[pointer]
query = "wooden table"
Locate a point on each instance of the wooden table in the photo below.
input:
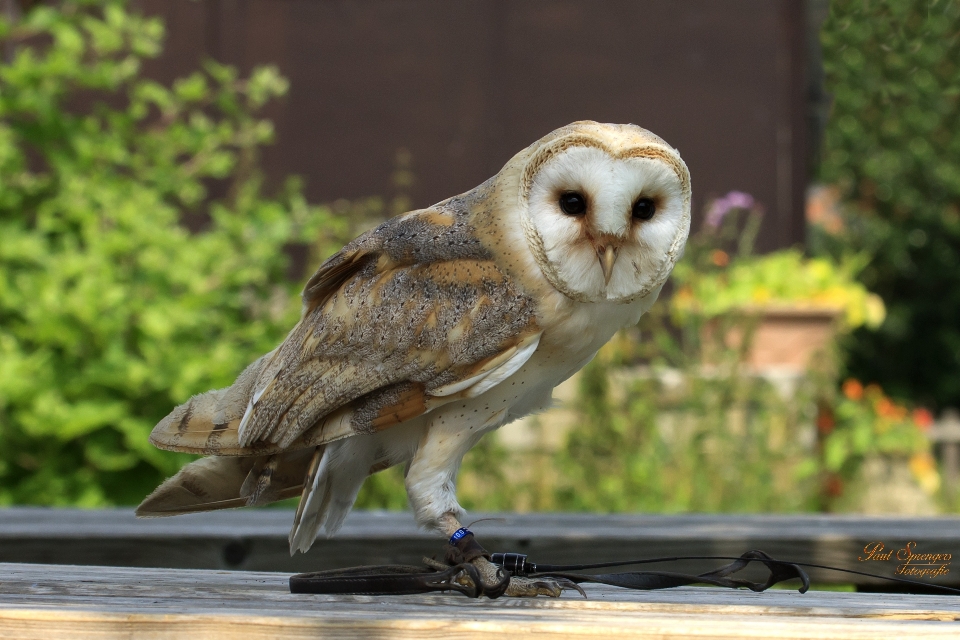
(256, 539)
(56, 601)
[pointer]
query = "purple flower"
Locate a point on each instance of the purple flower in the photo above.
(720, 207)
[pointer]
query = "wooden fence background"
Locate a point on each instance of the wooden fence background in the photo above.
(461, 86)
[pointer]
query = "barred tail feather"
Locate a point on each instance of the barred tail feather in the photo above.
(227, 482)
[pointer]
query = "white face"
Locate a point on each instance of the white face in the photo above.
(611, 227)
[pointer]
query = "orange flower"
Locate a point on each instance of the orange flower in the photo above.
(886, 408)
(923, 419)
(719, 258)
(853, 389)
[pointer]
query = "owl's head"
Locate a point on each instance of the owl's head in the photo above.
(605, 209)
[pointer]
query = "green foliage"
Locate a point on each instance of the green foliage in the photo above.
(704, 439)
(682, 441)
(660, 440)
(893, 146)
(111, 311)
(383, 490)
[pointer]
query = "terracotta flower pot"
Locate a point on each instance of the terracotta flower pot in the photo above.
(780, 337)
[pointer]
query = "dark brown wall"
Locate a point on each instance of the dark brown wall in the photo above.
(464, 85)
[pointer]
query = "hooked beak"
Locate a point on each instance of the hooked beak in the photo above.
(608, 256)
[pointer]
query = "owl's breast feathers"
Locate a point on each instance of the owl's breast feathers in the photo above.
(407, 317)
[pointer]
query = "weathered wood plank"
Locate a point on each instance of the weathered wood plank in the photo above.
(256, 540)
(50, 601)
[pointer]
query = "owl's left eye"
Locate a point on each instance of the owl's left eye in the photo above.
(573, 203)
(644, 208)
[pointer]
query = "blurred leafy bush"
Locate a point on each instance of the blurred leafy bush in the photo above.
(111, 311)
(862, 422)
(676, 436)
(893, 147)
(679, 440)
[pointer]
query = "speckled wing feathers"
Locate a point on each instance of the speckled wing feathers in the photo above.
(391, 324)
(431, 324)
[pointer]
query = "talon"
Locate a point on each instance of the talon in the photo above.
(533, 587)
(570, 585)
(495, 582)
(548, 588)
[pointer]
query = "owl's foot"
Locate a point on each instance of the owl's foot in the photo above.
(493, 578)
(496, 581)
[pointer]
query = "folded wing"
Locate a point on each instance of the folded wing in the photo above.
(390, 330)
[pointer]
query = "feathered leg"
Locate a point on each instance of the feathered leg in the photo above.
(431, 488)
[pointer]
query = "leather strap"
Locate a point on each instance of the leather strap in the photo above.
(648, 580)
(464, 578)
(389, 579)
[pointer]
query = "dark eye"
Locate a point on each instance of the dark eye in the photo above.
(644, 208)
(573, 203)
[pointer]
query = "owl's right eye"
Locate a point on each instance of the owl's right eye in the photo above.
(573, 203)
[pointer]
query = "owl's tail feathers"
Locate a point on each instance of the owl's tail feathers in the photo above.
(312, 509)
(209, 423)
(334, 477)
(227, 482)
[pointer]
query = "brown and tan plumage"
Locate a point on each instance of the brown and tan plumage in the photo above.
(436, 327)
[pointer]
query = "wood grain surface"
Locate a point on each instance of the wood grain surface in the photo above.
(57, 601)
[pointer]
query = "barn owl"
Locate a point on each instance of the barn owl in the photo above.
(435, 328)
